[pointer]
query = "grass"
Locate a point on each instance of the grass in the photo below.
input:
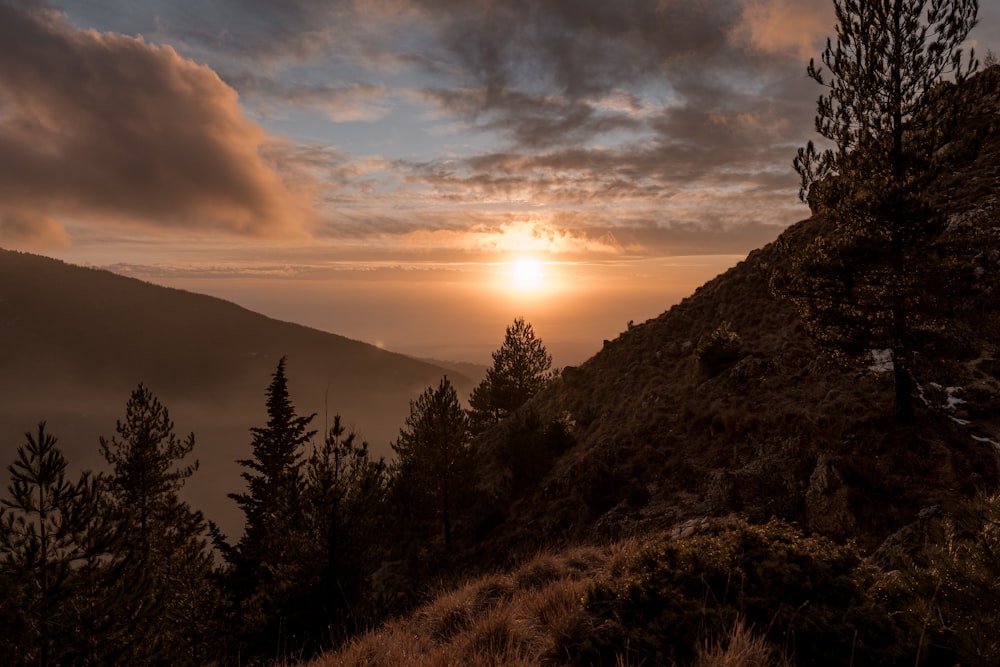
(531, 617)
(741, 648)
(525, 618)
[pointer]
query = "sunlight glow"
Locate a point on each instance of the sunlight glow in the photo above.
(527, 274)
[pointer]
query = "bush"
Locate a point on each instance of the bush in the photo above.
(719, 350)
(949, 589)
(808, 596)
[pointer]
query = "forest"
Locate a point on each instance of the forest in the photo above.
(114, 568)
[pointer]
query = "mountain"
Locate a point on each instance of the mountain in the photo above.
(714, 466)
(659, 437)
(74, 342)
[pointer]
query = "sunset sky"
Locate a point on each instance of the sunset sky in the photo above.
(412, 173)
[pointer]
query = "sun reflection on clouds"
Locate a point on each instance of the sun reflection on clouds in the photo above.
(536, 237)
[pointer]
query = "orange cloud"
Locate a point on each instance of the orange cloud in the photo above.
(102, 127)
(531, 233)
(25, 230)
(798, 27)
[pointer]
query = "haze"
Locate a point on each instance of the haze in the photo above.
(410, 173)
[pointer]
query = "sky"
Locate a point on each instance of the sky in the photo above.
(412, 173)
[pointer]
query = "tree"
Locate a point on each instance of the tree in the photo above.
(273, 475)
(344, 495)
(265, 560)
(164, 551)
(51, 533)
(868, 285)
(520, 370)
(433, 454)
(142, 456)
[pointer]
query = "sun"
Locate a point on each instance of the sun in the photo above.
(527, 274)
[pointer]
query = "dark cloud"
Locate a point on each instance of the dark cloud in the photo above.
(108, 127)
(580, 48)
(259, 29)
(531, 121)
(535, 69)
(688, 149)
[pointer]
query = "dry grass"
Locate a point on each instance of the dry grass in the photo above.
(526, 618)
(528, 629)
(742, 648)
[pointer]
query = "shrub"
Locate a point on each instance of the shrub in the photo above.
(949, 589)
(808, 596)
(719, 350)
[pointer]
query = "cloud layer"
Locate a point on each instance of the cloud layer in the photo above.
(105, 127)
(402, 127)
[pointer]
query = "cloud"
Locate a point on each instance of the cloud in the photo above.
(28, 230)
(684, 149)
(799, 27)
(578, 48)
(347, 103)
(610, 115)
(107, 128)
(533, 121)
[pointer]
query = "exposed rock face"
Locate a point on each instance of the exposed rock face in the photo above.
(777, 429)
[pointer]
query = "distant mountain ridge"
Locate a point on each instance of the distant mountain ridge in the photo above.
(75, 341)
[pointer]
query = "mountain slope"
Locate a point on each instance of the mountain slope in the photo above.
(779, 430)
(75, 341)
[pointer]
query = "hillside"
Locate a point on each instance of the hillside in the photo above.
(75, 341)
(780, 430)
(762, 494)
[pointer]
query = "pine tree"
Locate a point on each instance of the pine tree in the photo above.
(344, 497)
(274, 472)
(520, 370)
(50, 532)
(164, 552)
(868, 285)
(434, 456)
(266, 561)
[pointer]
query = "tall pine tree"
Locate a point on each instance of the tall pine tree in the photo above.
(266, 562)
(164, 551)
(869, 285)
(344, 508)
(433, 466)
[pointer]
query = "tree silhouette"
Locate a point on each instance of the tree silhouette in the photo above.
(143, 454)
(51, 533)
(344, 496)
(868, 285)
(433, 454)
(164, 550)
(520, 370)
(265, 561)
